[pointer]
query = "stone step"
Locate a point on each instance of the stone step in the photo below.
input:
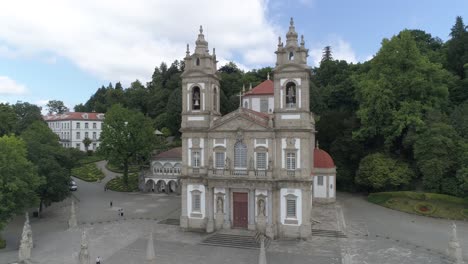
(328, 233)
(170, 221)
(233, 241)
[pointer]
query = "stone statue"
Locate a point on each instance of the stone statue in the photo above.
(219, 205)
(26, 244)
(196, 98)
(83, 256)
(261, 207)
(270, 164)
(454, 250)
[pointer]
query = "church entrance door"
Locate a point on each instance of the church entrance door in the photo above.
(240, 208)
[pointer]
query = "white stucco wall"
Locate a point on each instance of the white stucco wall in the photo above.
(320, 191)
(298, 193)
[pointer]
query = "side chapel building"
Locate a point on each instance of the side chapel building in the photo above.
(256, 168)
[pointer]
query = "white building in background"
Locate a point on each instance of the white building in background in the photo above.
(73, 127)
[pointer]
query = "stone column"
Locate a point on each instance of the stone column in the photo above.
(227, 209)
(305, 228)
(209, 209)
(251, 210)
(183, 214)
(269, 227)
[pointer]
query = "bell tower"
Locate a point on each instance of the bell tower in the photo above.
(291, 82)
(200, 87)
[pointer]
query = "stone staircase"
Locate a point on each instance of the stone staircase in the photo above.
(328, 233)
(246, 241)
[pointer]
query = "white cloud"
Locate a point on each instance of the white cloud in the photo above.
(9, 87)
(341, 50)
(124, 40)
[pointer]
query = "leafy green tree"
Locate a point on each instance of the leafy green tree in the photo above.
(18, 179)
(56, 107)
(457, 49)
(87, 141)
(80, 108)
(379, 172)
(127, 136)
(8, 119)
(436, 152)
(45, 152)
(400, 87)
(27, 114)
(459, 119)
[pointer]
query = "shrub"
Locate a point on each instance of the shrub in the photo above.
(88, 172)
(464, 212)
(379, 198)
(118, 185)
(424, 208)
(2, 243)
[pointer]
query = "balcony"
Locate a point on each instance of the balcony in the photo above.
(218, 172)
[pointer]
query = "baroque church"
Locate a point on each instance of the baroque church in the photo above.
(256, 168)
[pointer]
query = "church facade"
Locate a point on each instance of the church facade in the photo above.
(255, 168)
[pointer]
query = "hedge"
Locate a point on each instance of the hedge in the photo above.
(88, 172)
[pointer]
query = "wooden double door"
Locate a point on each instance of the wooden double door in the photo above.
(240, 209)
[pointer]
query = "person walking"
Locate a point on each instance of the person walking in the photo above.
(98, 260)
(110, 203)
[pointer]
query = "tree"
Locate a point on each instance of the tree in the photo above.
(436, 152)
(459, 119)
(127, 136)
(9, 120)
(400, 87)
(327, 54)
(80, 108)
(457, 49)
(27, 114)
(379, 172)
(87, 142)
(56, 107)
(46, 153)
(18, 179)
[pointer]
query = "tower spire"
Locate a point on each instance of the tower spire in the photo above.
(201, 46)
(291, 36)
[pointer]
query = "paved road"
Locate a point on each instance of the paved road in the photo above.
(390, 225)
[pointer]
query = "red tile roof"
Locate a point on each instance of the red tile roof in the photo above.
(175, 153)
(265, 88)
(322, 159)
(74, 116)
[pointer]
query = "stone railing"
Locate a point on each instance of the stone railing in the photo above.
(239, 173)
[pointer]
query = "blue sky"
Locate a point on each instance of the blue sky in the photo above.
(65, 50)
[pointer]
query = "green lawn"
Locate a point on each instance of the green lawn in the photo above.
(91, 159)
(119, 169)
(88, 172)
(118, 185)
(429, 204)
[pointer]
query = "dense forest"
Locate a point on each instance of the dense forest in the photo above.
(398, 121)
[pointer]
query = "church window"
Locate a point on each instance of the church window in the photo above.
(261, 160)
(196, 159)
(196, 98)
(219, 160)
(78, 136)
(264, 105)
(246, 104)
(320, 180)
(290, 95)
(215, 99)
(240, 155)
(196, 201)
(291, 207)
(291, 161)
(291, 55)
(197, 62)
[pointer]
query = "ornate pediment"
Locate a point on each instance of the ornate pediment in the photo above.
(240, 122)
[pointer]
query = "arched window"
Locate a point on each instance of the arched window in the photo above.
(246, 104)
(157, 168)
(291, 55)
(196, 102)
(290, 95)
(215, 99)
(197, 62)
(240, 155)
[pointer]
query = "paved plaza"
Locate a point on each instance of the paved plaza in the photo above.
(374, 234)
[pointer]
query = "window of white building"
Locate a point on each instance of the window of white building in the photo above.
(196, 159)
(78, 136)
(291, 161)
(320, 180)
(264, 105)
(78, 125)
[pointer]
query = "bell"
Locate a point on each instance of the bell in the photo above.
(197, 103)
